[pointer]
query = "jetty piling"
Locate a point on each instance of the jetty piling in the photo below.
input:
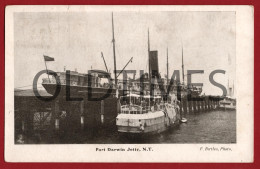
(80, 115)
(102, 111)
(56, 113)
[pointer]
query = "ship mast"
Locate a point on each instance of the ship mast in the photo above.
(114, 50)
(182, 65)
(167, 68)
(149, 59)
(149, 69)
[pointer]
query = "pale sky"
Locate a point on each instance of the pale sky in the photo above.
(76, 40)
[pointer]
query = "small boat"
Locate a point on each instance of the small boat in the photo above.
(228, 103)
(139, 114)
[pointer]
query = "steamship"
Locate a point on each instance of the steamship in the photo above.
(229, 101)
(142, 112)
(96, 84)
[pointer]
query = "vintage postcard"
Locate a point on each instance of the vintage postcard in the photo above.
(129, 83)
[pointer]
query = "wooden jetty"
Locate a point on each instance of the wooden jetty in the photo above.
(33, 115)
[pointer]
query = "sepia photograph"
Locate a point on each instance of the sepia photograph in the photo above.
(112, 76)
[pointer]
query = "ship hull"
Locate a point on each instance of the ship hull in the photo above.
(93, 107)
(228, 104)
(149, 123)
(83, 91)
(151, 130)
(227, 107)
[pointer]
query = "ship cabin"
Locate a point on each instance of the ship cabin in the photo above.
(138, 85)
(228, 102)
(137, 104)
(94, 78)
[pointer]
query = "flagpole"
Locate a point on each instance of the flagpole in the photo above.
(182, 65)
(114, 50)
(46, 69)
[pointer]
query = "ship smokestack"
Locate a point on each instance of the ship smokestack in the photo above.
(154, 61)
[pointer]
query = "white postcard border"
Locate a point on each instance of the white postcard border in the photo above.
(242, 151)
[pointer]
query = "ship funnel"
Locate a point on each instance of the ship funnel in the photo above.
(154, 61)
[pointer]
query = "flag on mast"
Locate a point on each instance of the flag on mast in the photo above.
(48, 58)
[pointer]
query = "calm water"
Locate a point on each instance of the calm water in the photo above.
(207, 127)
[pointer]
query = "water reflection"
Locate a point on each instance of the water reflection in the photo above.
(206, 127)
